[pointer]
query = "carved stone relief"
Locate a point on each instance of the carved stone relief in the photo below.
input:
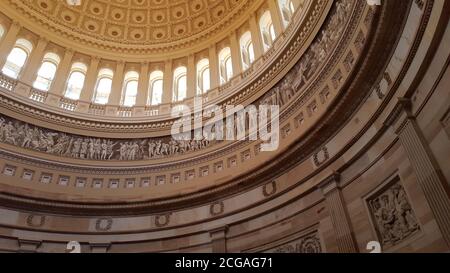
(57, 143)
(36, 220)
(162, 220)
(103, 224)
(306, 244)
(32, 137)
(392, 214)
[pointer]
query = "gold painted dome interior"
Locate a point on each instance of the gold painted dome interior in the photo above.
(91, 93)
(141, 57)
(139, 22)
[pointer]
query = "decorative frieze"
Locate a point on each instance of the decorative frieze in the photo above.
(269, 188)
(36, 220)
(216, 208)
(32, 137)
(307, 244)
(392, 214)
(321, 156)
(103, 224)
(162, 220)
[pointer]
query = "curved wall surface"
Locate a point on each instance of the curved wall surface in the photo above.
(364, 150)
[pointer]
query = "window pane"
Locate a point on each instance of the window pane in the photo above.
(14, 63)
(251, 53)
(45, 76)
(287, 10)
(103, 91)
(229, 69)
(131, 93)
(206, 80)
(272, 32)
(225, 65)
(157, 90)
(75, 85)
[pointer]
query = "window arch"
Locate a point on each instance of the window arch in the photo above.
(287, 9)
(47, 71)
(203, 76)
(267, 30)
(130, 88)
(247, 52)
(225, 65)
(2, 31)
(17, 58)
(156, 87)
(103, 86)
(75, 82)
(179, 84)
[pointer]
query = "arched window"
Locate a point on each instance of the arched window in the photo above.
(225, 65)
(130, 88)
(203, 76)
(17, 58)
(247, 52)
(2, 31)
(103, 86)
(156, 87)
(287, 9)
(179, 84)
(46, 72)
(75, 82)
(267, 30)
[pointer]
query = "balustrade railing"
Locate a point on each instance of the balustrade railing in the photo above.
(7, 82)
(68, 104)
(38, 95)
(97, 109)
(125, 112)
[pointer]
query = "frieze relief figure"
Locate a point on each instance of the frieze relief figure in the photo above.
(393, 215)
(320, 49)
(61, 144)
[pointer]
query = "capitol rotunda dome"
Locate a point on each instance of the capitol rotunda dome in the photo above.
(351, 95)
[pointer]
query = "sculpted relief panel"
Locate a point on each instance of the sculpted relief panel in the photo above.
(392, 214)
(306, 244)
(32, 137)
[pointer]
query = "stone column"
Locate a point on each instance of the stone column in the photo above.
(62, 74)
(275, 14)
(191, 77)
(168, 82)
(213, 66)
(8, 42)
(345, 240)
(117, 84)
(144, 78)
(256, 37)
(218, 239)
(235, 54)
(428, 173)
(91, 80)
(29, 74)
